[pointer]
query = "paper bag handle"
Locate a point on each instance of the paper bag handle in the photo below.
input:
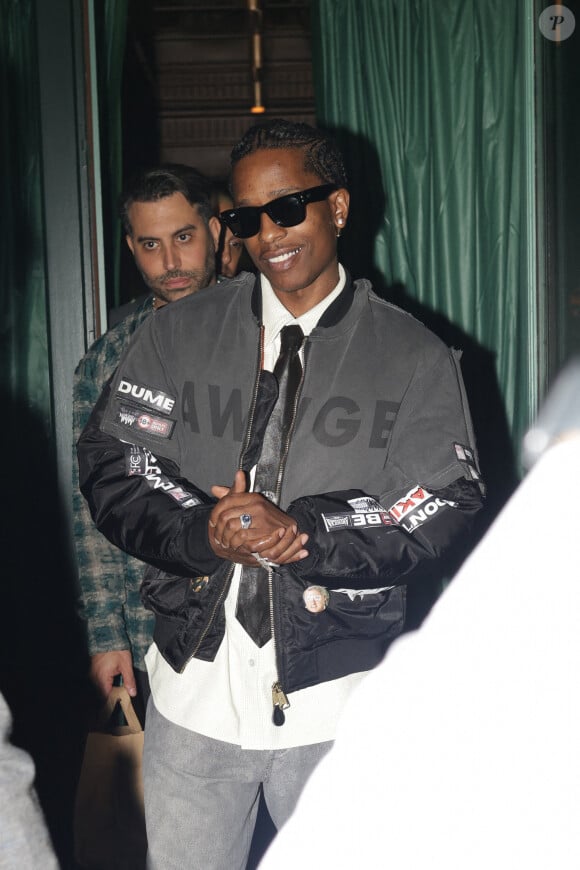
(119, 695)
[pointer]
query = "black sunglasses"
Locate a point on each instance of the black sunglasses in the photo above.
(286, 211)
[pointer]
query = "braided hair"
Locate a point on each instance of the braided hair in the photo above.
(322, 156)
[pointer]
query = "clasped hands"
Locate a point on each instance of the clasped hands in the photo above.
(272, 534)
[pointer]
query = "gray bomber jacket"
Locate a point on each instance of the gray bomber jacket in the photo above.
(381, 471)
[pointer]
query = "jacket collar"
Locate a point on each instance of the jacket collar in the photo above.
(333, 314)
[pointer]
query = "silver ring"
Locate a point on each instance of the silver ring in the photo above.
(245, 521)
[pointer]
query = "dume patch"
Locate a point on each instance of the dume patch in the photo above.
(161, 402)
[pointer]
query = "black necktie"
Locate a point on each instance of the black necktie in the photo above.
(253, 605)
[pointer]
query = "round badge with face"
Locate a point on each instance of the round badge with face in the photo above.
(316, 598)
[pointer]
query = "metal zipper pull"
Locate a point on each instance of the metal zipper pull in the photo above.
(280, 703)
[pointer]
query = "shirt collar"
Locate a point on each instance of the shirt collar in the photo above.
(275, 315)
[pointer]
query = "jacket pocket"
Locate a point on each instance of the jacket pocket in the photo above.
(349, 615)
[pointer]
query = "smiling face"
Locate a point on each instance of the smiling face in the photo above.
(173, 247)
(300, 262)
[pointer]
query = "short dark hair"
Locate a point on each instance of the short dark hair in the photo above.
(155, 183)
(321, 153)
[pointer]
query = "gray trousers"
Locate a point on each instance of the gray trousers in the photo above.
(201, 795)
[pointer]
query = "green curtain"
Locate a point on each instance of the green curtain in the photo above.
(111, 20)
(24, 361)
(428, 100)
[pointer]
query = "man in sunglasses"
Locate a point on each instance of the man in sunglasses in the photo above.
(283, 490)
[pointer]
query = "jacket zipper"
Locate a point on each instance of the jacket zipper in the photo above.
(209, 622)
(280, 700)
(254, 399)
(230, 573)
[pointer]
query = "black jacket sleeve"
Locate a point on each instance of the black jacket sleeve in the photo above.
(373, 545)
(140, 502)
